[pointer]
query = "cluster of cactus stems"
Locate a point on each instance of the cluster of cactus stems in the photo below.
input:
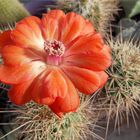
(118, 99)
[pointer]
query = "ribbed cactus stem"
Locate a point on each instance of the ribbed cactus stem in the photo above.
(11, 11)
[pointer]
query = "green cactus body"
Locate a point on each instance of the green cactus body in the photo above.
(37, 122)
(11, 11)
(122, 91)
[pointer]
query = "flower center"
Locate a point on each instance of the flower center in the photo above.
(55, 50)
(54, 47)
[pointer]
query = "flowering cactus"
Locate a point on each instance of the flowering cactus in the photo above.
(48, 60)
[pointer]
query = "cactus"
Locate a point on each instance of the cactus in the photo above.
(121, 95)
(11, 11)
(38, 122)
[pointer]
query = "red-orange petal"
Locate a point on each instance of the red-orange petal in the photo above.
(99, 61)
(57, 25)
(86, 44)
(88, 28)
(48, 86)
(37, 92)
(18, 94)
(55, 14)
(13, 55)
(68, 104)
(28, 33)
(103, 78)
(85, 80)
(5, 39)
(16, 56)
(55, 84)
(74, 26)
(33, 23)
(15, 75)
(52, 25)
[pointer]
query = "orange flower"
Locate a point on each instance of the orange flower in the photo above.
(47, 60)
